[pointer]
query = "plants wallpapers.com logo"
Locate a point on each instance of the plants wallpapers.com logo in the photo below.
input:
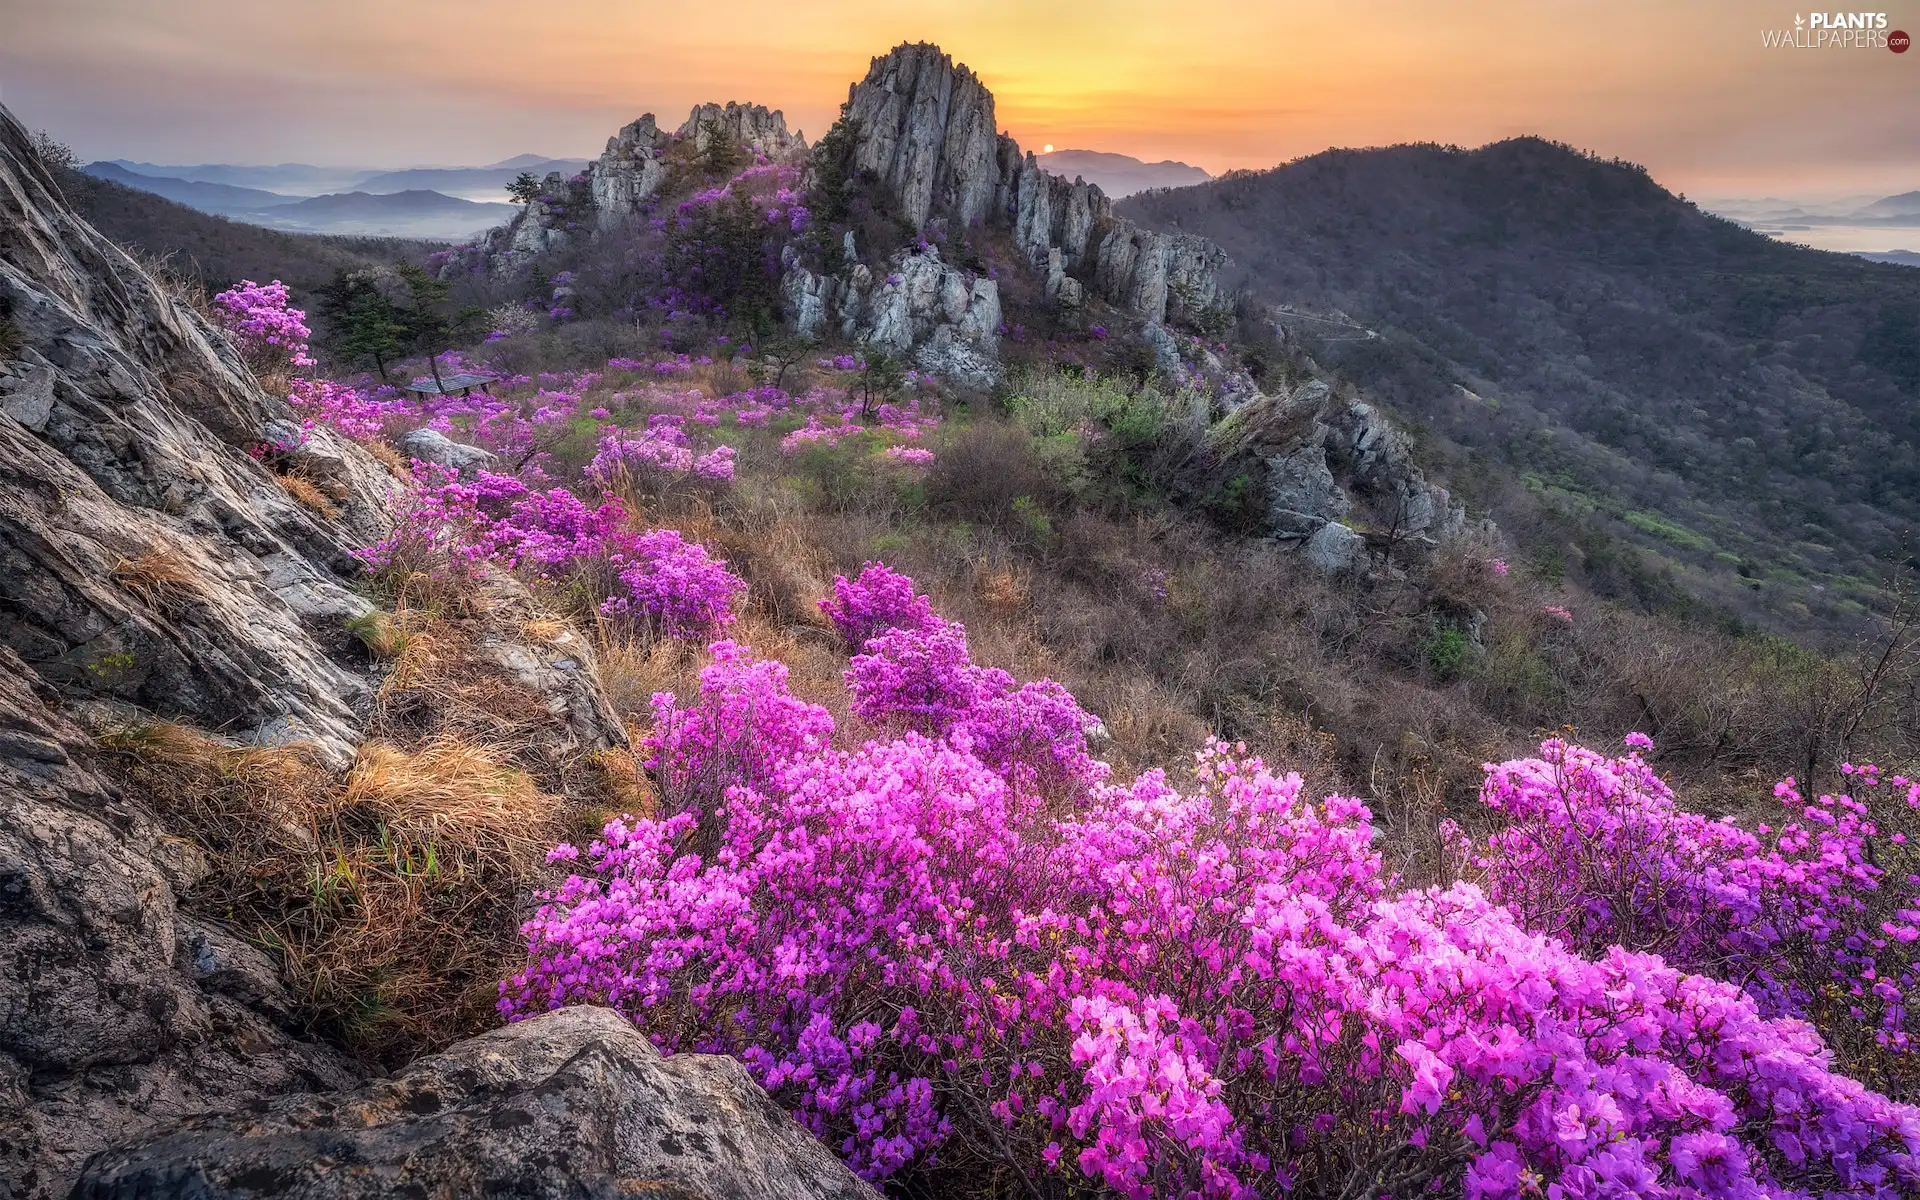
(1837, 31)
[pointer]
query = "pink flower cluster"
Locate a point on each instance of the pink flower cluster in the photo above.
(1208, 990)
(745, 726)
(267, 330)
(448, 527)
(876, 600)
(912, 456)
(674, 585)
(1598, 852)
(656, 457)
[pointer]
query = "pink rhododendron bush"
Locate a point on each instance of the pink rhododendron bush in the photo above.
(1818, 911)
(943, 958)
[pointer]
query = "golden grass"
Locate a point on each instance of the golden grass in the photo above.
(162, 579)
(390, 895)
(305, 493)
(454, 796)
(395, 462)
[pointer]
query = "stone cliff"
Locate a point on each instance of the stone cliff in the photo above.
(926, 130)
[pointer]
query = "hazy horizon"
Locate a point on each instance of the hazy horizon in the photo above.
(1693, 95)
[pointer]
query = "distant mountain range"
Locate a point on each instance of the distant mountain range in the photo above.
(1872, 227)
(383, 203)
(1119, 174)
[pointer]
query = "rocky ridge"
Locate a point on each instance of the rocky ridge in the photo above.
(926, 128)
(149, 564)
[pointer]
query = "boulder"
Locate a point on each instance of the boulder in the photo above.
(1336, 549)
(432, 446)
(573, 1103)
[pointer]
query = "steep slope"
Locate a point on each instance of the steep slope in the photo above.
(145, 560)
(1738, 404)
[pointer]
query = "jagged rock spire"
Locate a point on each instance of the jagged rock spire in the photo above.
(927, 132)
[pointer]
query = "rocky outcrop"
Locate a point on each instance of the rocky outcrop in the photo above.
(629, 172)
(753, 127)
(145, 557)
(118, 1011)
(926, 131)
(1333, 468)
(944, 318)
(432, 446)
(575, 1103)
(147, 560)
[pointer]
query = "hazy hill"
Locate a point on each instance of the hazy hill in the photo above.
(207, 197)
(294, 179)
(217, 251)
(413, 212)
(1120, 174)
(426, 213)
(1906, 204)
(472, 183)
(1737, 403)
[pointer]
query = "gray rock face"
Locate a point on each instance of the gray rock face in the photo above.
(945, 318)
(629, 172)
(1336, 549)
(432, 446)
(926, 130)
(575, 1103)
(1302, 495)
(752, 126)
(118, 1011)
(144, 557)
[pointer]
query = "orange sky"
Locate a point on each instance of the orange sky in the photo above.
(1685, 87)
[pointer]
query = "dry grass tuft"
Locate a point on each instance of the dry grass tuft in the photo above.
(1002, 589)
(305, 493)
(454, 796)
(394, 461)
(391, 896)
(633, 667)
(163, 580)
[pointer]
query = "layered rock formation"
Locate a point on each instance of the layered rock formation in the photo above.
(753, 127)
(629, 172)
(576, 1103)
(1331, 464)
(145, 560)
(946, 319)
(150, 564)
(926, 130)
(118, 1010)
(144, 556)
